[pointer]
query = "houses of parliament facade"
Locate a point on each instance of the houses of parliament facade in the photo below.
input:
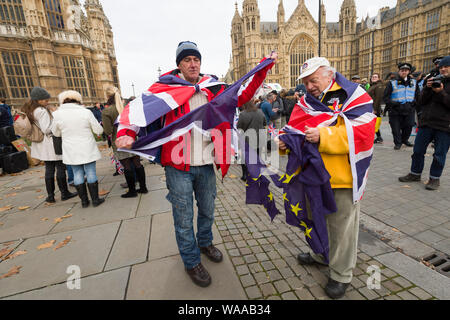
(55, 45)
(414, 31)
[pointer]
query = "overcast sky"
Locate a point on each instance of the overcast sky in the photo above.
(147, 32)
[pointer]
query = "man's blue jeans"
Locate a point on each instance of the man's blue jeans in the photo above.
(200, 181)
(424, 137)
(88, 169)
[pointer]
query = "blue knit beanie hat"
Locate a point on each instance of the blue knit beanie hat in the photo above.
(445, 62)
(187, 48)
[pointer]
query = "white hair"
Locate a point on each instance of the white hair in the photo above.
(327, 70)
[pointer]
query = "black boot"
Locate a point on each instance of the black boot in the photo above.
(50, 186)
(93, 191)
(129, 176)
(82, 193)
(65, 193)
(140, 174)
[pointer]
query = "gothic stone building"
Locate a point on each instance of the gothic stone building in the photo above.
(53, 44)
(414, 31)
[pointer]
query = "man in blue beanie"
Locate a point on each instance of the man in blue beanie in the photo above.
(190, 172)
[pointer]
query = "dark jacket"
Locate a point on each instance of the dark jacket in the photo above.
(266, 108)
(396, 108)
(289, 104)
(6, 119)
(376, 91)
(278, 104)
(97, 113)
(435, 108)
(251, 120)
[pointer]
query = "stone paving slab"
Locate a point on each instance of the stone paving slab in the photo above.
(372, 245)
(88, 249)
(153, 203)
(163, 242)
(427, 279)
(131, 244)
(110, 285)
(19, 198)
(31, 223)
(114, 209)
(165, 279)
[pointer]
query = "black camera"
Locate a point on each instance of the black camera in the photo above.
(437, 81)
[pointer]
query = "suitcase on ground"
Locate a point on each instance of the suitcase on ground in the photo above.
(15, 162)
(7, 135)
(6, 150)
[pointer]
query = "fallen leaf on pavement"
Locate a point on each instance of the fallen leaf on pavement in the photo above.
(232, 176)
(44, 219)
(8, 243)
(16, 254)
(46, 245)
(58, 220)
(47, 204)
(14, 270)
(4, 252)
(62, 244)
(17, 188)
(39, 190)
(41, 197)
(7, 208)
(396, 230)
(24, 208)
(103, 192)
(406, 186)
(11, 195)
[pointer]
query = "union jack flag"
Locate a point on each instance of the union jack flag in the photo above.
(273, 132)
(357, 112)
(215, 119)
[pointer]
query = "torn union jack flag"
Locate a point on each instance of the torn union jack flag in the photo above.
(214, 119)
(306, 183)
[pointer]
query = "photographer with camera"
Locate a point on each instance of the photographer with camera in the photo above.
(434, 125)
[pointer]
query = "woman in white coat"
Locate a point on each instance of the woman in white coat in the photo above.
(75, 124)
(37, 112)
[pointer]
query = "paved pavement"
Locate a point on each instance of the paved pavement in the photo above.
(126, 249)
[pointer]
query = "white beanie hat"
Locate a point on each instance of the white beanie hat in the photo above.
(70, 94)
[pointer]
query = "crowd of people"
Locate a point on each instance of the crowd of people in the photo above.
(66, 142)
(420, 100)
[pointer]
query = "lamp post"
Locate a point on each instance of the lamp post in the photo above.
(134, 94)
(320, 27)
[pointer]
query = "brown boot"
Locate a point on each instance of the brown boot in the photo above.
(212, 253)
(199, 275)
(410, 178)
(433, 184)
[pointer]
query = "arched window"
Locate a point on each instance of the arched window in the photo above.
(253, 24)
(302, 49)
(54, 14)
(11, 12)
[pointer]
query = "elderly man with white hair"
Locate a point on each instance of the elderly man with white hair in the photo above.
(337, 115)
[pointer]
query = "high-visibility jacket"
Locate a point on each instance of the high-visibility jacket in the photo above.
(403, 94)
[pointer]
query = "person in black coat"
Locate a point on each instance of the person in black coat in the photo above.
(251, 121)
(434, 126)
